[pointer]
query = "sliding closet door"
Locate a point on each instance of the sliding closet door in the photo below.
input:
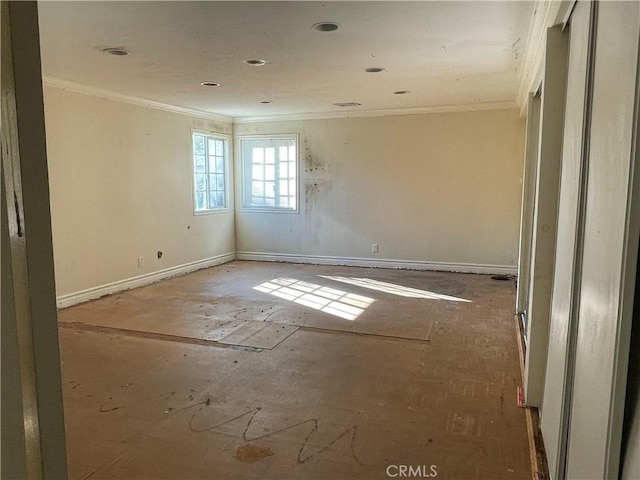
(529, 176)
(609, 250)
(563, 322)
(545, 213)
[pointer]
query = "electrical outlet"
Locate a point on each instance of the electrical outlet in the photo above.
(140, 262)
(374, 248)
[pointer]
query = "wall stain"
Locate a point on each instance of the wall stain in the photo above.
(311, 162)
(211, 126)
(317, 182)
(516, 49)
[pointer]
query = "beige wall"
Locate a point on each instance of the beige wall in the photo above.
(121, 183)
(427, 188)
(430, 188)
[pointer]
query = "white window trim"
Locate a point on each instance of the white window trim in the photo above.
(228, 177)
(241, 174)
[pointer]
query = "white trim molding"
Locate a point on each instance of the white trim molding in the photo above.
(70, 86)
(379, 263)
(141, 280)
(470, 107)
(55, 82)
(545, 14)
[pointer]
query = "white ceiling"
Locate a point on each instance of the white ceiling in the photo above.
(445, 53)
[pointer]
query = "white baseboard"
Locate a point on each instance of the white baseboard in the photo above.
(149, 278)
(141, 280)
(380, 263)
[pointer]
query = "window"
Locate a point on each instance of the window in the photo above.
(269, 169)
(210, 155)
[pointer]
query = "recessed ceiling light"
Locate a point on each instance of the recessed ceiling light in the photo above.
(374, 69)
(118, 51)
(255, 63)
(347, 104)
(401, 92)
(265, 101)
(325, 27)
(210, 84)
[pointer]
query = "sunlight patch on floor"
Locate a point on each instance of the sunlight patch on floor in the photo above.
(394, 289)
(328, 300)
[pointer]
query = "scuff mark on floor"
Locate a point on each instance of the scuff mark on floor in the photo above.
(303, 457)
(252, 453)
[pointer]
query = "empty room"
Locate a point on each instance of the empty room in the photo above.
(320, 240)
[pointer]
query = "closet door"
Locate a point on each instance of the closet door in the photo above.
(545, 208)
(563, 322)
(530, 173)
(609, 250)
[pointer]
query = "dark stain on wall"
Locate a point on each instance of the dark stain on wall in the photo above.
(311, 162)
(311, 190)
(317, 184)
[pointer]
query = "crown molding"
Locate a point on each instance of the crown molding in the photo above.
(109, 95)
(508, 105)
(98, 92)
(546, 13)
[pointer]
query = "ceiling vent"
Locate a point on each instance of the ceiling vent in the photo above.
(347, 104)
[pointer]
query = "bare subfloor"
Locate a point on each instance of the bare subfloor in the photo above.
(275, 371)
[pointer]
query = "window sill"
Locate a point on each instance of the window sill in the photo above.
(217, 211)
(268, 210)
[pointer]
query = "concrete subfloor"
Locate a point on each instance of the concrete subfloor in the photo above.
(376, 369)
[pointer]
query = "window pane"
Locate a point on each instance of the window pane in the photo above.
(284, 202)
(201, 182)
(212, 164)
(216, 199)
(200, 166)
(270, 189)
(257, 172)
(212, 200)
(270, 155)
(258, 155)
(211, 146)
(284, 187)
(220, 164)
(219, 182)
(284, 170)
(219, 148)
(200, 200)
(270, 172)
(282, 152)
(257, 189)
(270, 202)
(212, 181)
(292, 152)
(292, 187)
(198, 144)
